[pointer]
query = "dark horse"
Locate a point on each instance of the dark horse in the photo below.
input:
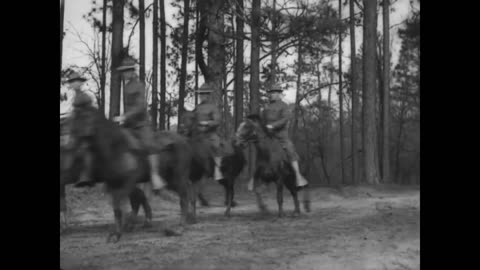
(233, 160)
(271, 164)
(120, 166)
(68, 176)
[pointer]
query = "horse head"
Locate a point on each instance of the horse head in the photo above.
(186, 123)
(250, 130)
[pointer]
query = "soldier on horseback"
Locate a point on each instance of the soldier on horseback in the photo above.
(81, 101)
(135, 117)
(207, 119)
(275, 117)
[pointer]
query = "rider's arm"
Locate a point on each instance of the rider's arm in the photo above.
(139, 101)
(285, 116)
(215, 121)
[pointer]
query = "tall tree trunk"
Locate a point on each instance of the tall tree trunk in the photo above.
(216, 49)
(62, 12)
(399, 142)
(379, 108)
(197, 13)
(369, 88)
(239, 66)
(340, 94)
(154, 109)
(103, 77)
(163, 51)
(255, 59)
(141, 6)
(297, 95)
(274, 45)
(254, 73)
(386, 92)
(183, 71)
(353, 85)
(117, 51)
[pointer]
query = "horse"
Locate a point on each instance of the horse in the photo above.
(120, 166)
(232, 162)
(272, 165)
(69, 175)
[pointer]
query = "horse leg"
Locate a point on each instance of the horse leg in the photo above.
(193, 196)
(306, 199)
(118, 204)
(135, 202)
(147, 209)
(201, 197)
(261, 205)
(280, 198)
(186, 193)
(63, 210)
(293, 191)
(229, 195)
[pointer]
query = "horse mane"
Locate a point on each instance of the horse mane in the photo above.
(108, 135)
(254, 117)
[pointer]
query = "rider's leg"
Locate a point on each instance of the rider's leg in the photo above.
(293, 157)
(158, 182)
(217, 157)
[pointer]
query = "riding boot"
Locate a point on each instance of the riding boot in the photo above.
(86, 175)
(217, 174)
(158, 182)
(301, 181)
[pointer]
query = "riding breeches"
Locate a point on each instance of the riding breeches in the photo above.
(287, 144)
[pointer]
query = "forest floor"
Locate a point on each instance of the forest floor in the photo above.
(348, 228)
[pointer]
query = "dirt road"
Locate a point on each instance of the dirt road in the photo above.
(354, 228)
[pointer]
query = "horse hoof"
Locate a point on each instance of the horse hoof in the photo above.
(204, 204)
(264, 210)
(170, 232)
(113, 237)
(147, 224)
(227, 214)
(129, 227)
(281, 215)
(191, 220)
(234, 203)
(306, 206)
(296, 214)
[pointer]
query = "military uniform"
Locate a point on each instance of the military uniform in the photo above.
(207, 120)
(136, 118)
(209, 113)
(277, 114)
(81, 128)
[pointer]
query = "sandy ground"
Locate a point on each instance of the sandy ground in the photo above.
(353, 228)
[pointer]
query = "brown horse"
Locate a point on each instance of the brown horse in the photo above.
(272, 164)
(120, 166)
(231, 166)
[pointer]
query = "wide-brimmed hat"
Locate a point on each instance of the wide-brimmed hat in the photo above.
(75, 76)
(275, 88)
(206, 88)
(128, 63)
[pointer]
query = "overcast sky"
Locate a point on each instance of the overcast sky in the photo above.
(74, 50)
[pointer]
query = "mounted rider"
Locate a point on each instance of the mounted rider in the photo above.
(80, 135)
(135, 118)
(275, 116)
(207, 119)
